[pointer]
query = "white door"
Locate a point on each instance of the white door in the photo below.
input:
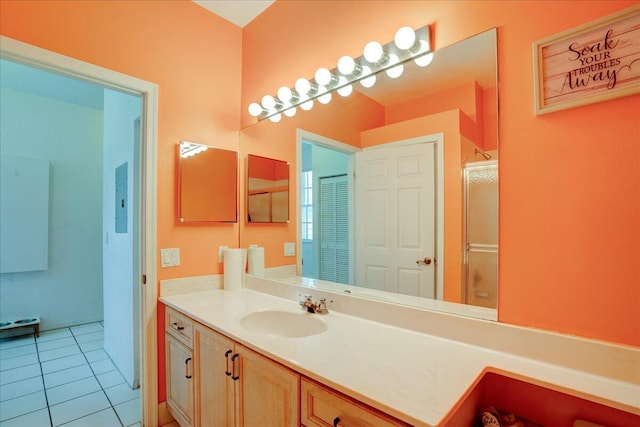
(395, 219)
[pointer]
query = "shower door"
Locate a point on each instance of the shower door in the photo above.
(480, 285)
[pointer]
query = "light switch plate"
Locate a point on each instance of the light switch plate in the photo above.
(289, 249)
(170, 257)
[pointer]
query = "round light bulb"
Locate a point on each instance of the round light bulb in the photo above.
(344, 90)
(307, 105)
(276, 118)
(323, 76)
(268, 102)
(394, 72)
(285, 94)
(373, 52)
(325, 96)
(303, 86)
(405, 38)
(370, 80)
(424, 60)
(255, 109)
(290, 112)
(347, 65)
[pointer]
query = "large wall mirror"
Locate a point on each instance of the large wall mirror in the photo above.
(395, 187)
(207, 183)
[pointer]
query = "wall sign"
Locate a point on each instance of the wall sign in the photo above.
(594, 62)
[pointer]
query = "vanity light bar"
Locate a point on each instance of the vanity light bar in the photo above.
(407, 45)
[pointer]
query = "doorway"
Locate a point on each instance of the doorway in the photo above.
(146, 265)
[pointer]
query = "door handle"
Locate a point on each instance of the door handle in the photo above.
(187, 373)
(233, 367)
(425, 261)
(227, 372)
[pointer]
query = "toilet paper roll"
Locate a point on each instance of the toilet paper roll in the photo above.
(256, 260)
(234, 265)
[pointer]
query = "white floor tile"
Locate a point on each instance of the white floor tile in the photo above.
(63, 363)
(8, 353)
(85, 329)
(53, 344)
(57, 353)
(91, 345)
(21, 373)
(121, 393)
(105, 418)
(129, 412)
(66, 376)
(102, 366)
(69, 391)
(38, 418)
(95, 355)
(109, 379)
(16, 362)
(91, 336)
(54, 334)
(22, 405)
(78, 408)
(20, 388)
(16, 342)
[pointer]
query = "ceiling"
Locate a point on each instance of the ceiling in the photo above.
(239, 12)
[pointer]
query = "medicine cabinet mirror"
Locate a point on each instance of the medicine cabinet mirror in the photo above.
(207, 183)
(267, 190)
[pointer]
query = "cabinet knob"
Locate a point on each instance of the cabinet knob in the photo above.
(336, 422)
(176, 326)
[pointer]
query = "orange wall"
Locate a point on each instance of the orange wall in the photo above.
(569, 193)
(193, 56)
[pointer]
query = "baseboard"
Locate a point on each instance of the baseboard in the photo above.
(164, 416)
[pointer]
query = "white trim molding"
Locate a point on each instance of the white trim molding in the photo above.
(31, 55)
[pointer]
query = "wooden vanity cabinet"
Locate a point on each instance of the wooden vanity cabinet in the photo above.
(322, 406)
(179, 360)
(213, 381)
(236, 386)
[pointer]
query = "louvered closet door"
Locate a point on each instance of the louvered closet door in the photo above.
(334, 229)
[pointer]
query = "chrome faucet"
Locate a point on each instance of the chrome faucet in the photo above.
(320, 307)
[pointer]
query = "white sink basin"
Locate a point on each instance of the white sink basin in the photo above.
(283, 323)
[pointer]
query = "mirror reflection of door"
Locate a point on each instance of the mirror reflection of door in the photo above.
(480, 285)
(395, 224)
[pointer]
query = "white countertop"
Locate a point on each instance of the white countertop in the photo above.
(414, 376)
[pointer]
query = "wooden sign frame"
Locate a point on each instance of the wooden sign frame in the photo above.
(594, 62)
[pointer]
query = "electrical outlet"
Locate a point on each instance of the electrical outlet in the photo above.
(289, 249)
(170, 257)
(221, 253)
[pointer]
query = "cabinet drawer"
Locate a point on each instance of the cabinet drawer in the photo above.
(179, 325)
(321, 406)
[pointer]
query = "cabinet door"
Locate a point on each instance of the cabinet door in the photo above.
(267, 394)
(179, 381)
(214, 389)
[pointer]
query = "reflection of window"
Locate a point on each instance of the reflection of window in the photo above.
(307, 205)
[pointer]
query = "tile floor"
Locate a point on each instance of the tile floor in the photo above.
(63, 378)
